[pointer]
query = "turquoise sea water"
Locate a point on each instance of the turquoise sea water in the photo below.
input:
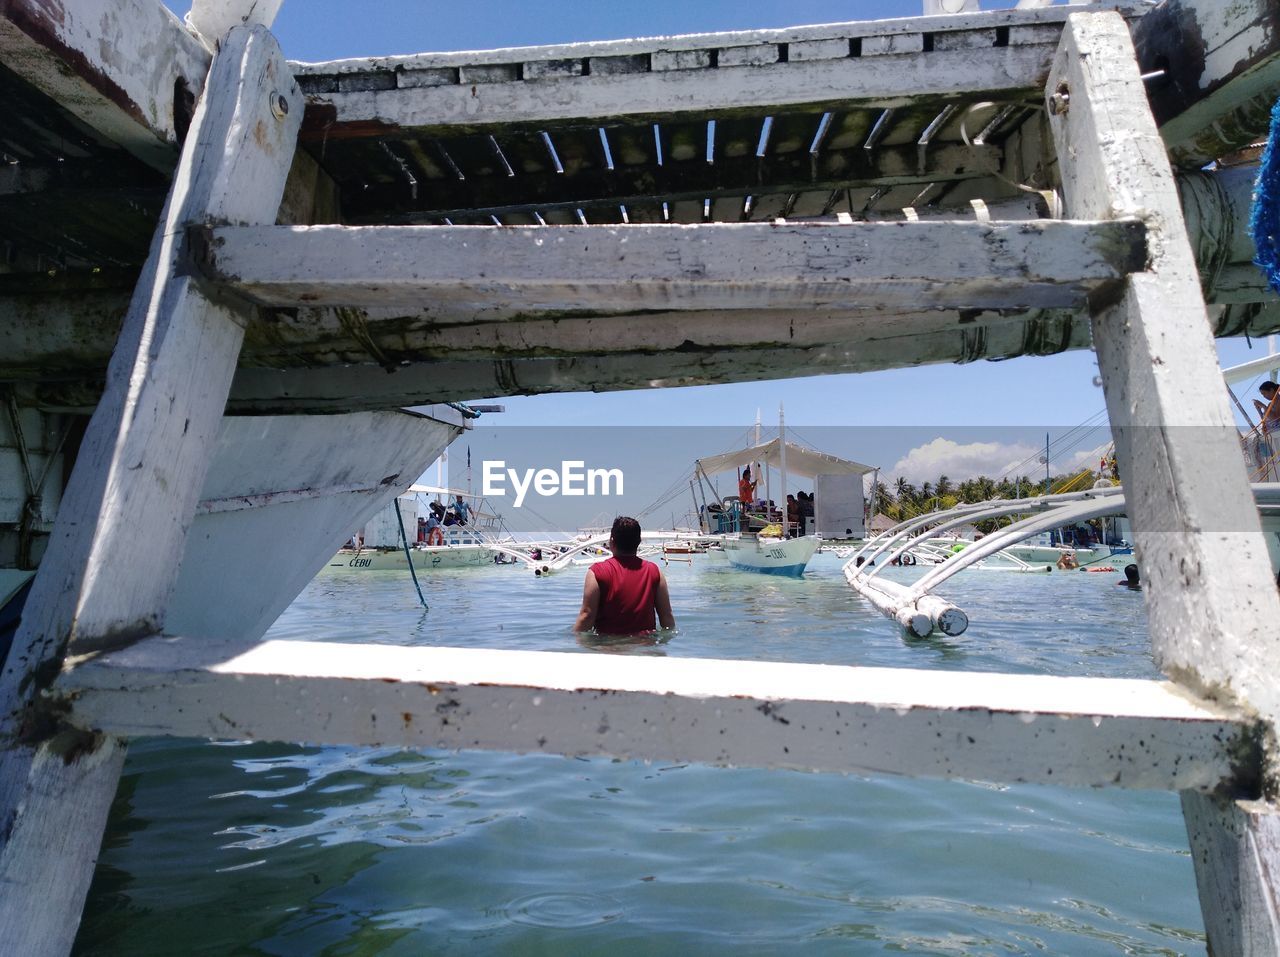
(269, 849)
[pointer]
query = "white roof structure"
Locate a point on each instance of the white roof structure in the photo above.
(800, 461)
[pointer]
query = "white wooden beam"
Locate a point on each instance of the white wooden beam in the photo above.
(117, 65)
(1231, 841)
(1192, 513)
(571, 269)
(1211, 599)
(467, 97)
(115, 551)
(690, 51)
(1087, 732)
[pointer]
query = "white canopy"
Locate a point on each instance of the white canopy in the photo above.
(800, 461)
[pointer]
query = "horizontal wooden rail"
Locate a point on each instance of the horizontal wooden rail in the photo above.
(643, 79)
(1088, 732)
(576, 269)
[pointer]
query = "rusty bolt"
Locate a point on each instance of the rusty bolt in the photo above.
(279, 105)
(1059, 100)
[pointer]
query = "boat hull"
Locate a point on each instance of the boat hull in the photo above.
(424, 559)
(787, 557)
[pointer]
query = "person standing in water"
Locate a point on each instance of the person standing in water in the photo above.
(623, 594)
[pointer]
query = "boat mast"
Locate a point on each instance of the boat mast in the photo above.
(782, 465)
(756, 443)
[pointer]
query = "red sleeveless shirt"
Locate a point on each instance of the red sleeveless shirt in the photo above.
(627, 589)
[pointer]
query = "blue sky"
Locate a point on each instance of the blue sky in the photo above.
(1025, 396)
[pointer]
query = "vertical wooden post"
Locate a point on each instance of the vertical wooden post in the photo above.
(1211, 600)
(113, 558)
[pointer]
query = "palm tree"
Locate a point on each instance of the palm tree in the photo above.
(943, 486)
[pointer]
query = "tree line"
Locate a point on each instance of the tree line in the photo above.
(902, 500)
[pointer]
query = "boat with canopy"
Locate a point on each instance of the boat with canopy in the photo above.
(759, 536)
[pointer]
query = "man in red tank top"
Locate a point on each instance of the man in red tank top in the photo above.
(623, 594)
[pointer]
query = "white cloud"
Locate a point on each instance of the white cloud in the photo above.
(958, 462)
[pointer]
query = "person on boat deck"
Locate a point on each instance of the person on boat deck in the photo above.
(622, 594)
(1270, 410)
(462, 508)
(434, 534)
(746, 488)
(1131, 578)
(793, 516)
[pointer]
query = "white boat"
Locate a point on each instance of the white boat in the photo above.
(772, 556)
(380, 544)
(756, 536)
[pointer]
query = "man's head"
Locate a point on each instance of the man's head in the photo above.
(624, 537)
(1131, 575)
(746, 473)
(1268, 389)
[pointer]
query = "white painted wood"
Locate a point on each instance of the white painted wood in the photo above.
(883, 80)
(115, 551)
(993, 727)
(702, 42)
(113, 63)
(1231, 841)
(305, 484)
(212, 19)
(1211, 600)
(904, 265)
(57, 798)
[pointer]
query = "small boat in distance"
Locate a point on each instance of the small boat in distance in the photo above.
(378, 546)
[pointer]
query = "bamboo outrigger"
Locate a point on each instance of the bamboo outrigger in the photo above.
(207, 249)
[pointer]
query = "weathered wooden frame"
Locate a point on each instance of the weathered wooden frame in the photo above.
(133, 493)
(1211, 601)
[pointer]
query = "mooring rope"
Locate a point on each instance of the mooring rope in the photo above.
(404, 539)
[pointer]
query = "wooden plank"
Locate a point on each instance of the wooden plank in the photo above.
(1087, 732)
(1211, 599)
(1228, 840)
(116, 548)
(1017, 20)
(817, 84)
(912, 265)
(347, 388)
(121, 66)
(1220, 76)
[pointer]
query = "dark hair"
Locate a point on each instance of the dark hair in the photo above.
(1131, 573)
(1268, 386)
(625, 534)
